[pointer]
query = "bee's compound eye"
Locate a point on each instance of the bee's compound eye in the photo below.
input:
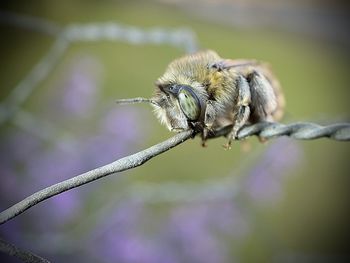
(189, 104)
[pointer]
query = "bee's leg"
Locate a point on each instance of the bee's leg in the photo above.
(209, 117)
(241, 117)
(204, 138)
(242, 109)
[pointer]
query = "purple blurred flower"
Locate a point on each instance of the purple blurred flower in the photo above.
(264, 182)
(19, 145)
(125, 124)
(128, 247)
(56, 212)
(123, 237)
(227, 219)
(51, 166)
(100, 150)
(263, 187)
(194, 236)
(120, 132)
(14, 150)
(12, 231)
(80, 93)
(193, 233)
(126, 216)
(48, 167)
(8, 181)
(116, 238)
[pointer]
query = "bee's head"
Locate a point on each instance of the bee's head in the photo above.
(179, 105)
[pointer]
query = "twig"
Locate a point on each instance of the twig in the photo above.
(299, 130)
(24, 255)
(264, 129)
(24, 89)
(65, 36)
(30, 22)
(120, 165)
(179, 37)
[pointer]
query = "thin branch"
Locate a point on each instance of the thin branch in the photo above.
(299, 130)
(120, 165)
(24, 255)
(267, 130)
(30, 23)
(65, 36)
(26, 86)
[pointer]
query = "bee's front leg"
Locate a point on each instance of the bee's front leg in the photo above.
(242, 109)
(209, 118)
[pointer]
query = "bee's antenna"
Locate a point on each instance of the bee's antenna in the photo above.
(136, 100)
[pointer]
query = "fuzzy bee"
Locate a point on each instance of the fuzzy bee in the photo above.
(205, 92)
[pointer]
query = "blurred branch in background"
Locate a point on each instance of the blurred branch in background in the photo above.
(42, 129)
(24, 89)
(36, 24)
(327, 20)
(180, 38)
(23, 255)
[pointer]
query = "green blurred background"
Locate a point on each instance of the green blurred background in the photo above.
(308, 51)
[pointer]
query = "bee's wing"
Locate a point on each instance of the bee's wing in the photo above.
(238, 64)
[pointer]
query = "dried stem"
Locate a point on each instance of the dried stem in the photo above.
(301, 131)
(120, 165)
(23, 255)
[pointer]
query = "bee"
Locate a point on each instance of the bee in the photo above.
(205, 92)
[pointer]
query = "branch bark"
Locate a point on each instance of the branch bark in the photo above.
(120, 165)
(302, 131)
(23, 255)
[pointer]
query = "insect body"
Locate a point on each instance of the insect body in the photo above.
(202, 91)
